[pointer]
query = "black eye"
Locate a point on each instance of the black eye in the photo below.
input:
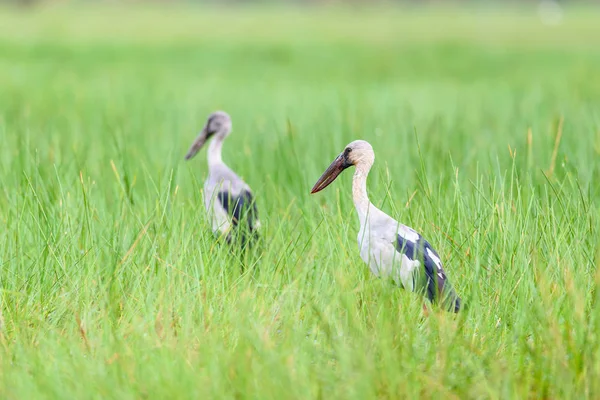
(347, 151)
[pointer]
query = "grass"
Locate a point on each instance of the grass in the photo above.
(486, 127)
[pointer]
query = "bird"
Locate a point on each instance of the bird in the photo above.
(389, 248)
(228, 200)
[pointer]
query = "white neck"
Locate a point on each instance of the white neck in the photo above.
(214, 150)
(359, 190)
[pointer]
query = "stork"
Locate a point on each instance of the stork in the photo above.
(389, 248)
(228, 199)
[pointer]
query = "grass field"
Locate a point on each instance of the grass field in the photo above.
(486, 128)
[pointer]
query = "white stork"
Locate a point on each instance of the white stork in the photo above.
(389, 248)
(227, 198)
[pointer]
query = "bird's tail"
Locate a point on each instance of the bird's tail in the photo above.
(450, 300)
(440, 291)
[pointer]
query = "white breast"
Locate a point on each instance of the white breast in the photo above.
(377, 243)
(217, 216)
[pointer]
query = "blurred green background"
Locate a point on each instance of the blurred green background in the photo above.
(485, 120)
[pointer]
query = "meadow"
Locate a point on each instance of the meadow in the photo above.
(486, 129)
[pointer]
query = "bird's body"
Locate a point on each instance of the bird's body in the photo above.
(227, 198)
(389, 248)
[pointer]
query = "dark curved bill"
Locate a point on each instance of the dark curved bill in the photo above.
(198, 143)
(332, 172)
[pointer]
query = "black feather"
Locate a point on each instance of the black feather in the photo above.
(435, 283)
(243, 212)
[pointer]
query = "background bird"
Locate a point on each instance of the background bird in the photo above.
(388, 247)
(228, 199)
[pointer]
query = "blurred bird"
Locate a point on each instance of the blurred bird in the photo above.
(228, 199)
(388, 247)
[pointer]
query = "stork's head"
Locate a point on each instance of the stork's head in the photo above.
(218, 123)
(358, 153)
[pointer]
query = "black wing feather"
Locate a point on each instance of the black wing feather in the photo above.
(436, 284)
(241, 208)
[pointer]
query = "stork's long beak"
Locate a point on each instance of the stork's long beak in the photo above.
(336, 167)
(198, 143)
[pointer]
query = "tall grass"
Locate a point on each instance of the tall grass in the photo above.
(487, 137)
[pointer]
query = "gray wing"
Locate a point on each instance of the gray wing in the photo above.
(433, 279)
(235, 196)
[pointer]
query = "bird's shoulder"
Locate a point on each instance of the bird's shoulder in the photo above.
(224, 178)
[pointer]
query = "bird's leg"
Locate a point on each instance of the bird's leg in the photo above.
(425, 310)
